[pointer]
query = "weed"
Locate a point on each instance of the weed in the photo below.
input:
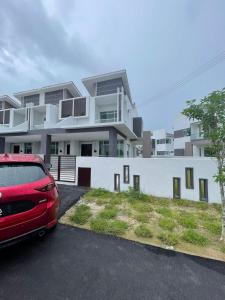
(142, 231)
(115, 227)
(142, 218)
(214, 228)
(81, 215)
(193, 237)
(165, 211)
(108, 213)
(187, 220)
(168, 238)
(141, 206)
(167, 224)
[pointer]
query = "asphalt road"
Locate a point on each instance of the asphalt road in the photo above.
(72, 263)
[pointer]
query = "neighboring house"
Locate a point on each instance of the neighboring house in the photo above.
(189, 139)
(57, 119)
(162, 143)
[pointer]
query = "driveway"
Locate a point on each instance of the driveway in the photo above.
(72, 263)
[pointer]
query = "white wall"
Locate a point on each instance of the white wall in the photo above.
(156, 174)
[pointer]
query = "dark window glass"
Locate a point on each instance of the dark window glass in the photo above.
(79, 107)
(1, 117)
(67, 108)
(109, 86)
(189, 175)
(126, 174)
(54, 148)
(6, 116)
(108, 116)
(117, 182)
(136, 179)
(28, 148)
(203, 189)
(176, 188)
(20, 173)
(120, 108)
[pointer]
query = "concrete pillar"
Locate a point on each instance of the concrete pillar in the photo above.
(147, 144)
(2, 145)
(188, 151)
(112, 142)
(46, 147)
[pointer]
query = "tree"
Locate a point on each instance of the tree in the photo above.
(210, 112)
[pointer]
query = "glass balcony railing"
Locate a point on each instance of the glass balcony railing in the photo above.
(107, 120)
(197, 136)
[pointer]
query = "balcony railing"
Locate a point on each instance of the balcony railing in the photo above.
(107, 120)
(197, 136)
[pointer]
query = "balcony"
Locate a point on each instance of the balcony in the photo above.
(197, 136)
(108, 108)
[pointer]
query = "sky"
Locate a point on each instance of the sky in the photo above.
(158, 42)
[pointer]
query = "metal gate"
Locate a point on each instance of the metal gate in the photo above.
(63, 167)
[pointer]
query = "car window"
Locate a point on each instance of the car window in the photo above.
(20, 173)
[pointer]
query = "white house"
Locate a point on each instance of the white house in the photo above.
(162, 143)
(57, 119)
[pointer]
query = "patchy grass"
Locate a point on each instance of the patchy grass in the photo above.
(108, 213)
(109, 227)
(187, 220)
(167, 224)
(189, 226)
(165, 211)
(168, 239)
(193, 237)
(143, 231)
(142, 218)
(81, 215)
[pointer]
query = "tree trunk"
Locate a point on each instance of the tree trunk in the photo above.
(221, 184)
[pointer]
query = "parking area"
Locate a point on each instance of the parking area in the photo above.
(72, 263)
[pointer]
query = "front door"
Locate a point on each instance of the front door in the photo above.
(16, 148)
(84, 177)
(86, 149)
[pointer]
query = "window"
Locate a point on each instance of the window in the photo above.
(203, 189)
(28, 148)
(176, 188)
(109, 86)
(66, 108)
(126, 174)
(4, 116)
(79, 107)
(108, 116)
(189, 175)
(28, 172)
(103, 148)
(117, 182)
(120, 149)
(136, 182)
(54, 148)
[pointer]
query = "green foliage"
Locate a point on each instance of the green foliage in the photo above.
(142, 218)
(81, 215)
(168, 238)
(165, 211)
(187, 220)
(213, 227)
(167, 224)
(116, 200)
(115, 227)
(217, 207)
(141, 206)
(102, 201)
(193, 237)
(143, 231)
(100, 192)
(133, 195)
(222, 249)
(108, 213)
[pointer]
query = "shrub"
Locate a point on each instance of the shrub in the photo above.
(142, 218)
(81, 215)
(110, 227)
(214, 228)
(193, 237)
(142, 231)
(167, 224)
(168, 238)
(187, 220)
(165, 211)
(141, 206)
(108, 213)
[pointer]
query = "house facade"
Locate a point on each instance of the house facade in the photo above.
(59, 120)
(189, 138)
(162, 143)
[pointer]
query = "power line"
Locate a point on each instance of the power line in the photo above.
(189, 77)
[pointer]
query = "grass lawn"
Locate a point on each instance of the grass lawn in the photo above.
(186, 226)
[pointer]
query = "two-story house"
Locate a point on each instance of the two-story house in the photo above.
(162, 143)
(58, 120)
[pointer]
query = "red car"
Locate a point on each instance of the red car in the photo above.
(29, 200)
